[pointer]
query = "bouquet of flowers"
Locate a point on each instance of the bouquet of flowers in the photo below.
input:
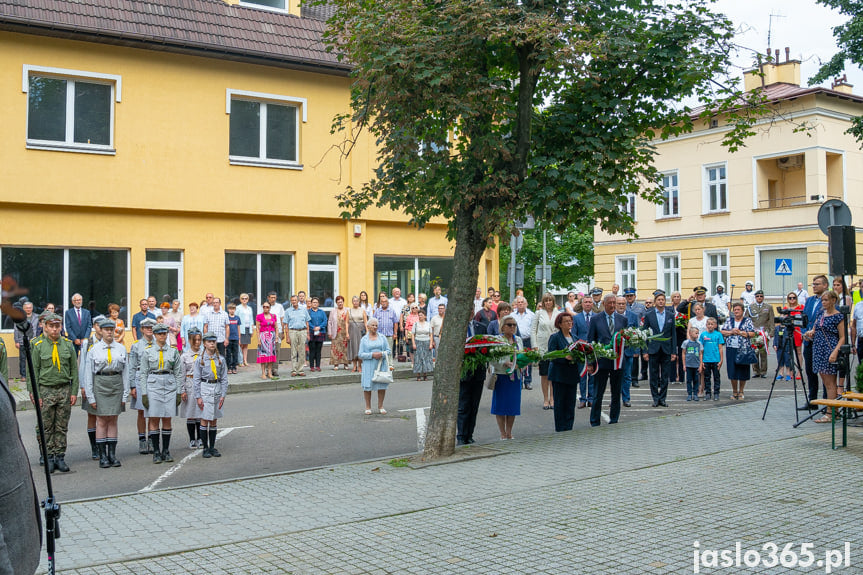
(527, 357)
(579, 350)
(757, 342)
(480, 350)
(681, 320)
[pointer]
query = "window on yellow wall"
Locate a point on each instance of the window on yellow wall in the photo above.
(70, 110)
(275, 4)
(265, 129)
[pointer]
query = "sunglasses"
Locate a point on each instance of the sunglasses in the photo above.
(792, 297)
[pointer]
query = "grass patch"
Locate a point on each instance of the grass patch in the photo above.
(399, 462)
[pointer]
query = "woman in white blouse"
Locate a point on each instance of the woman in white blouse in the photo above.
(247, 327)
(541, 329)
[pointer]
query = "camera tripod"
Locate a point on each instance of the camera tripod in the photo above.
(785, 350)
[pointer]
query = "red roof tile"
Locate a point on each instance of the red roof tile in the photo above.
(205, 27)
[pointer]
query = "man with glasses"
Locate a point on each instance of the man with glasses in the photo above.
(813, 310)
(762, 318)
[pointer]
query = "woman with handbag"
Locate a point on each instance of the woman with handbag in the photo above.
(376, 375)
(739, 353)
(506, 397)
(828, 336)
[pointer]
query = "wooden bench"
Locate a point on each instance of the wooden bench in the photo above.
(841, 407)
(852, 395)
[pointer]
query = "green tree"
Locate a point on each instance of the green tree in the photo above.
(485, 110)
(563, 249)
(849, 38)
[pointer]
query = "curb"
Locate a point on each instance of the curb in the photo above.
(22, 398)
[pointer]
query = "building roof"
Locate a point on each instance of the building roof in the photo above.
(784, 91)
(209, 28)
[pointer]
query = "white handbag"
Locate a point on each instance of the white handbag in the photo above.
(382, 372)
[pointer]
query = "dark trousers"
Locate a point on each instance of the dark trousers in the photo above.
(315, 348)
(601, 379)
(644, 368)
(469, 396)
(565, 396)
(693, 380)
(811, 376)
(22, 364)
(711, 369)
(232, 355)
(221, 347)
(660, 370)
(679, 369)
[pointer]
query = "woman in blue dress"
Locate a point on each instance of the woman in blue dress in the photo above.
(506, 398)
(827, 336)
(373, 350)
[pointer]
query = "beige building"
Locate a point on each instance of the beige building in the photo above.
(732, 217)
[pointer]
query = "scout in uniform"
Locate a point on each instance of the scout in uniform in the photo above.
(189, 408)
(95, 337)
(135, 354)
(160, 380)
(211, 386)
(55, 364)
(106, 383)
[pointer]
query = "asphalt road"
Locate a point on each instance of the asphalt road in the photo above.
(282, 431)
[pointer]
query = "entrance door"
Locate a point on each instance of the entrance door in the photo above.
(324, 279)
(164, 278)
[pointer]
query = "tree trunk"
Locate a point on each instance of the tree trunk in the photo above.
(469, 247)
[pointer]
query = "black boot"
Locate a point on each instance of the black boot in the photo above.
(60, 463)
(50, 463)
(212, 433)
(205, 437)
(104, 461)
(154, 441)
(95, 453)
(166, 444)
(112, 453)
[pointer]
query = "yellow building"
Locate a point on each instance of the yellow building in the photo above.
(734, 217)
(180, 147)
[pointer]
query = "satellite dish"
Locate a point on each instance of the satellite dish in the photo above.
(833, 213)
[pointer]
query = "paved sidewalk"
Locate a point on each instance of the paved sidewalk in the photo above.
(629, 498)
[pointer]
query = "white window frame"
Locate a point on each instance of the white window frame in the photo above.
(248, 4)
(163, 265)
(262, 98)
(706, 188)
(71, 76)
(707, 268)
(661, 271)
(619, 272)
(631, 199)
(660, 207)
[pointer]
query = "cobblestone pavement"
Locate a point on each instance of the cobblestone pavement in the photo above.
(630, 498)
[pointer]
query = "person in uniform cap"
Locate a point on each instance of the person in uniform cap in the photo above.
(106, 383)
(211, 386)
(761, 315)
(55, 363)
(596, 294)
(160, 380)
(699, 295)
(94, 337)
(721, 302)
(134, 359)
(189, 407)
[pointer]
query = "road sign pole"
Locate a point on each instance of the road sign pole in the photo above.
(512, 268)
(544, 279)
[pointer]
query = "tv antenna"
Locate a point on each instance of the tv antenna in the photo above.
(770, 30)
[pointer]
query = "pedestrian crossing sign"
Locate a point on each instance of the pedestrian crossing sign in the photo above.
(783, 267)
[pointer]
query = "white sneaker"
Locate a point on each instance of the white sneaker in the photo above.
(193, 444)
(200, 443)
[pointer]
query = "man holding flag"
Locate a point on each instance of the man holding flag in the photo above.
(761, 315)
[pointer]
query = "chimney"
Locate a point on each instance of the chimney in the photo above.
(773, 72)
(842, 85)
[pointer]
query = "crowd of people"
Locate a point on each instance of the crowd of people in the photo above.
(178, 364)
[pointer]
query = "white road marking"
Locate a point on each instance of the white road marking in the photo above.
(421, 425)
(175, 468)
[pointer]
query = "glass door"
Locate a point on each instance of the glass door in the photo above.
(164, 276)
(324, 279)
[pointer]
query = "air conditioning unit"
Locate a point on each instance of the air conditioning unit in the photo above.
(790, 162)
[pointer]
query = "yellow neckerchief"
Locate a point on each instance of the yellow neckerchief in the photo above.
(55, 355)
(213, 368)
(161, 360)
(213, 359)
(109, 355)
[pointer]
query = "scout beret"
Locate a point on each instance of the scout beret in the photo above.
(193, 331)
(160, 328)
(53, 317)
(760, 292)
(210, 336)
(99, 319)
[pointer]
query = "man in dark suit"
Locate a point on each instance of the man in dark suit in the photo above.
(20, 522)
(602, 329)
(660, 354)
(77, 322)
(580, 325)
